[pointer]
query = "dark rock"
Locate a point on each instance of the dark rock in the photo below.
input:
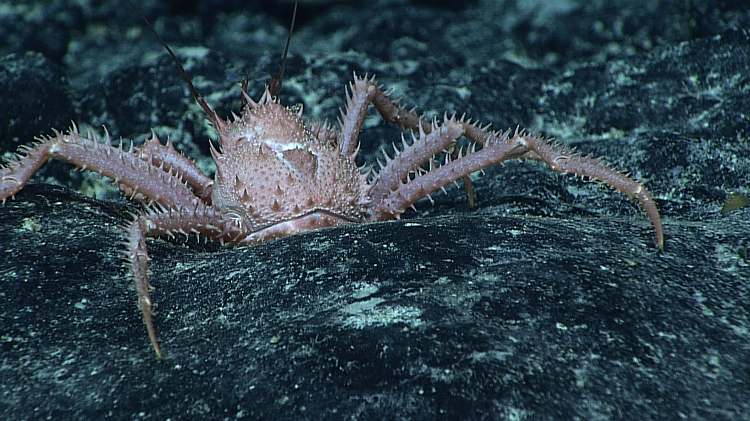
(545, 301)
(476, 316)
(35, 98)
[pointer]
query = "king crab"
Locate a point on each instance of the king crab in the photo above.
(277, 175)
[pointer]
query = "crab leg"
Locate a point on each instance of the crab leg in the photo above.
(501, 147)
(165, 156)
(137, 256)
(201, 219)
(358, 99)
(412, 190)
(566, 162)
(362, 93)
(497, 148)
(423, 149)
(392, 112)
(123, 166)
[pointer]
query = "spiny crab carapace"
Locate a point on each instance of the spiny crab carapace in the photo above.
(277, 175)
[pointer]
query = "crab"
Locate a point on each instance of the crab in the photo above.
(278, 175)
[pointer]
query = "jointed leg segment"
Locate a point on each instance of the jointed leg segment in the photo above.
(400, 192)
(126, 167)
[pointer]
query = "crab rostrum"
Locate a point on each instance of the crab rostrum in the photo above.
(277, 175)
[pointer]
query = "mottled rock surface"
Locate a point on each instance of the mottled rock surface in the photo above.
(545, 301)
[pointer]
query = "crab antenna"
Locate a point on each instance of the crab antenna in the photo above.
(197, 96)
(277, 89)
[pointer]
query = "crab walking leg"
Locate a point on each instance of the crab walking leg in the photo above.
(201, 219)
(124, 166)
(165, 156)
(566, 162)
(501, 147)
(137, 256)
(358, 99)
(18, 172)
(408, 119)
(364, 92)
(558, 159)
(423, 149)
(409, 192)
(393, 112)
